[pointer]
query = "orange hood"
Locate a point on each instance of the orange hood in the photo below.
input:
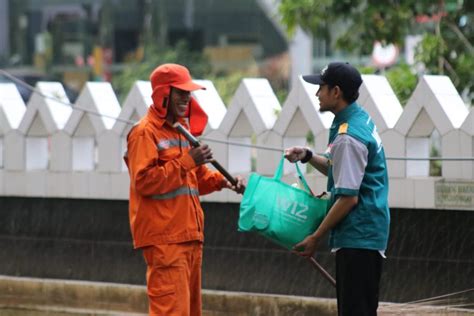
(173, 75)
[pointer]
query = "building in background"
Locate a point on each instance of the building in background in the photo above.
(76, 41)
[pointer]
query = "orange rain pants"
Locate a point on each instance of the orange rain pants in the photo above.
(174, 278)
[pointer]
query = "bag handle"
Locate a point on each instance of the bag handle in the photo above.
(279, 173)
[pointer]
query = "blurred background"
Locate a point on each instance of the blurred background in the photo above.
(121, 41)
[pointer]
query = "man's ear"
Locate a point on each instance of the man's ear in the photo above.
(337, 92)
(167, 99)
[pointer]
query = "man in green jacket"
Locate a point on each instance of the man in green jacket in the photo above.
(359, 218)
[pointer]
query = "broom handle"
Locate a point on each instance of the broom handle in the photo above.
(195, 143)
(326, 274)
(316, 264)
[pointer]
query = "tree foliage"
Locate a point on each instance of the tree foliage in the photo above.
(403, 81)
(447, 28)
(196, 62)
(199, 66)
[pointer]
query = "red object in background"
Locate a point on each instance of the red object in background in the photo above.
(108, 56)
(90, 60)
(433, 18)
(79, 61)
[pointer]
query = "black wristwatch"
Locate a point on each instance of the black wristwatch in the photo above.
(307, 156)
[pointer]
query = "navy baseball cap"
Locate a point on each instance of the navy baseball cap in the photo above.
(339, 74)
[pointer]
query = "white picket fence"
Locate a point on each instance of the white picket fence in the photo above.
(49, 149)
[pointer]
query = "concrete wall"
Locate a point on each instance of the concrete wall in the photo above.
(430, 253)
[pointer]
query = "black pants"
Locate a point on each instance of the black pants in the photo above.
(358, 276)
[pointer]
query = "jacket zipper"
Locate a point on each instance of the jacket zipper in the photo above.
(191, 196)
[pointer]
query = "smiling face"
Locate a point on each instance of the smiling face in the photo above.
(178, 105)
(330, 98)
(326, 97)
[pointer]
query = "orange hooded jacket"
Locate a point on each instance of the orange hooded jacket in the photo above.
(165, 183)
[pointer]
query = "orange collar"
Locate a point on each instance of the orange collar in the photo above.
(160, 121)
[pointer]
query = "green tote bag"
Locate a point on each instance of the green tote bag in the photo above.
(278, 211)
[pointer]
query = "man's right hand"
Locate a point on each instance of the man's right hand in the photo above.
(201, 155)
(294, 154)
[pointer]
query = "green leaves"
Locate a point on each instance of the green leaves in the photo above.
(403, 81)
(310, 15)
(353, 26)
(429, 51)
(196, 62)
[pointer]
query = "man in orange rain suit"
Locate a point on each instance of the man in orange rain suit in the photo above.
(166, 178)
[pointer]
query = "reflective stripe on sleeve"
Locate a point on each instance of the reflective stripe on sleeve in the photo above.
(175, 193)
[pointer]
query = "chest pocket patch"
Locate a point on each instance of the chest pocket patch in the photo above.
(169, 149)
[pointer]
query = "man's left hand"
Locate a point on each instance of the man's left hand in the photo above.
(307, 247)
(239, 187)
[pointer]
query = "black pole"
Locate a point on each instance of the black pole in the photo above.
(326, 274)
(195, 143)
